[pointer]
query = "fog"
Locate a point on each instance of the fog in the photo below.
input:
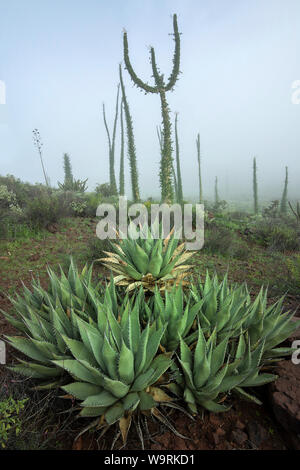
(239, 59)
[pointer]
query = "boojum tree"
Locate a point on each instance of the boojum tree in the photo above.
(130, 143)
(178, 179)
(158, 129)
(111, 145)
(217, 198)
(255, 192)
(122, 175)
(284, 203)
(67, 170)
(161, 87)
(199, 169)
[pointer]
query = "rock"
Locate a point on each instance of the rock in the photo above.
(52, 228)
(257, 434)
(239, 437)
(240, 425)
(215, 420)
(217, 436)
(34, 257)
(285, 398)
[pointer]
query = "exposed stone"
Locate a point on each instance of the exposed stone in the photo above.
(239, 437)
(218, 435)
(257, 434)
(240, 425)
(52, 228)
(285, 396)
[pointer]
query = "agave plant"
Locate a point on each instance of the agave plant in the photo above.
(229, 309)
(148, 262)
(207, 375)
(115, 368)
(175, 312)
(44, 315)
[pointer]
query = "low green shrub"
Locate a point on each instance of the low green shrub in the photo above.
(48, 208)
(276, 235)
(10, 419)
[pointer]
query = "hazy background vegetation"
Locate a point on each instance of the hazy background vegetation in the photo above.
(59, 61)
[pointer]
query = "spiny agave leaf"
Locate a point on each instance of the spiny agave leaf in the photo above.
(153, 345)
(26, 371)
(155, 263)
(142, 381)
(43, 371)
(27, 347)
(231, 381)
(103, 398)
(147, 402)
(258, 380)
(126, 365)
(241, 349)
(79, 350)
(92, 412)
(247, 396)
(187, 374)
(115, 387)
(110, 358)
(213, 407)
(141, 259)
(81, 390)
(50, 385)
(131, 401)
(189, 397)
(50, 350)
(19, 325)
(160, 365)
(133, 273)
(278, 352)
(218, 356)
(186, 354)
(78, 370)
(141, 355)
(114, 413)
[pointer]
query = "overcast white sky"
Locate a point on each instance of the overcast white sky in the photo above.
(59, 60)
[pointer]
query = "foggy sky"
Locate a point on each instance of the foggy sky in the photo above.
(59, 60)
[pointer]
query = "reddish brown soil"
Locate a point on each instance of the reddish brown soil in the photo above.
(244, 426)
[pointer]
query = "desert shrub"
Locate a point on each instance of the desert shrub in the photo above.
(105, 190)
(293, 281)
(45, 210)
(272, 210)
(92, 202)
(276, 235)
(224, 241)
(239, 249)
(78, 207)
(24, 192)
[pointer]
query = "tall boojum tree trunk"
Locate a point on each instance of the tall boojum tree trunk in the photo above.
(161, 87)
